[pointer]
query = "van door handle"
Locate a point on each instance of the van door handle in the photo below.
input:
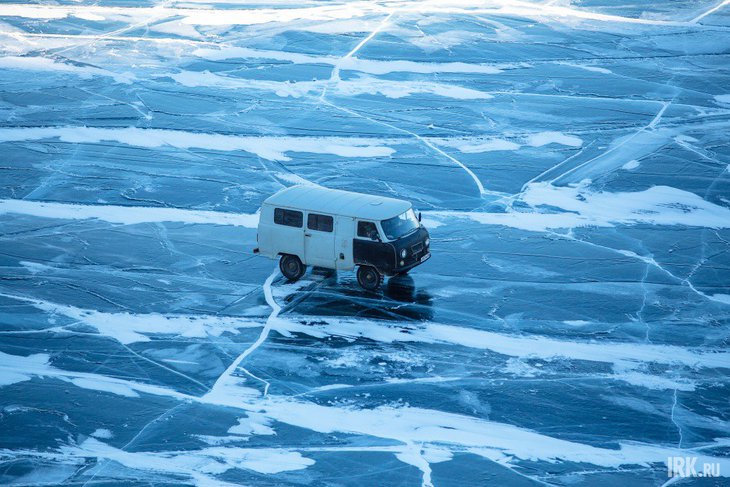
(307, 234)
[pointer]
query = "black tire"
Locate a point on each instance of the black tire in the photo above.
(291, 266)
(369, 278)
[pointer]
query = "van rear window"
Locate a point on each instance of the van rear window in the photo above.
(323, 223)
(289, 218)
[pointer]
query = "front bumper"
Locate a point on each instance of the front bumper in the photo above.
(411, 264)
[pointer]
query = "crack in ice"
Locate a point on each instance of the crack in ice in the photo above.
(223, 381)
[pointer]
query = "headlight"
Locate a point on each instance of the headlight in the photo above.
(428, 241)
(403, 254)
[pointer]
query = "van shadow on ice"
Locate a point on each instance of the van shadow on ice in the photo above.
(331, 295)
(341, 230)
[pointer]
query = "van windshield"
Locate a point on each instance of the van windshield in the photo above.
(400, 225)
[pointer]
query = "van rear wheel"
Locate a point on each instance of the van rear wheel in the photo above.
(291, 266)
(369, 278)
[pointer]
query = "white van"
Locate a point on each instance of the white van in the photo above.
(312, 225)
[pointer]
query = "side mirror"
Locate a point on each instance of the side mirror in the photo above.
(419, 217)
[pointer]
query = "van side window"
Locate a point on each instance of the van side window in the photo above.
(289, 218)
(323, 223)
(367, 230)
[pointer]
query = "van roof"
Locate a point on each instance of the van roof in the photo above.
(337, 202)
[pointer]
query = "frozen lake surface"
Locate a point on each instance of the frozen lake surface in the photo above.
(572, 163)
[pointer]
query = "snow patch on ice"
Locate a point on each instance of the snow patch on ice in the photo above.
(442, 40)
(177, 28)
(520, 346)
(220, 440)
(659, 205)
(253, 424)
(255, 16)
(354, 14)
(351, 87)
(40, 64)
(267, 147)
(85, 15)
(102, 433)
(576, 322)
(204, 463)
(125, 215)
(416, 426)
(632, 164)
(17, 368)
(370, 66)
(722, 298)
(655, 382)
(587, 67)
(227, 380)
(473, 146)
(94, 384)
(581, 207)
(411, 426)
(422, 458)
(544, 138)
(293, 178)
(723, 98)
(520, 368)
(131, 328)
(33, 267)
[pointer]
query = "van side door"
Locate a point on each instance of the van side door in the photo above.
(319, 240)
(344, 232)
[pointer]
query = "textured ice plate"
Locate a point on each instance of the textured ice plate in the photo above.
(570, 159)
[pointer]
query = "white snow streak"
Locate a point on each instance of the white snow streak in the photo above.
(411, 426)
(225, 379)
(582, 207)
(266, 147)
(352, 63)
(710, 11)
(125, 215)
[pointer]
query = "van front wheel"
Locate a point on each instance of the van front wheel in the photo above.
(369, 277)
(291, 267)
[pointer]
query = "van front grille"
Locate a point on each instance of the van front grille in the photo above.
(417, 248)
